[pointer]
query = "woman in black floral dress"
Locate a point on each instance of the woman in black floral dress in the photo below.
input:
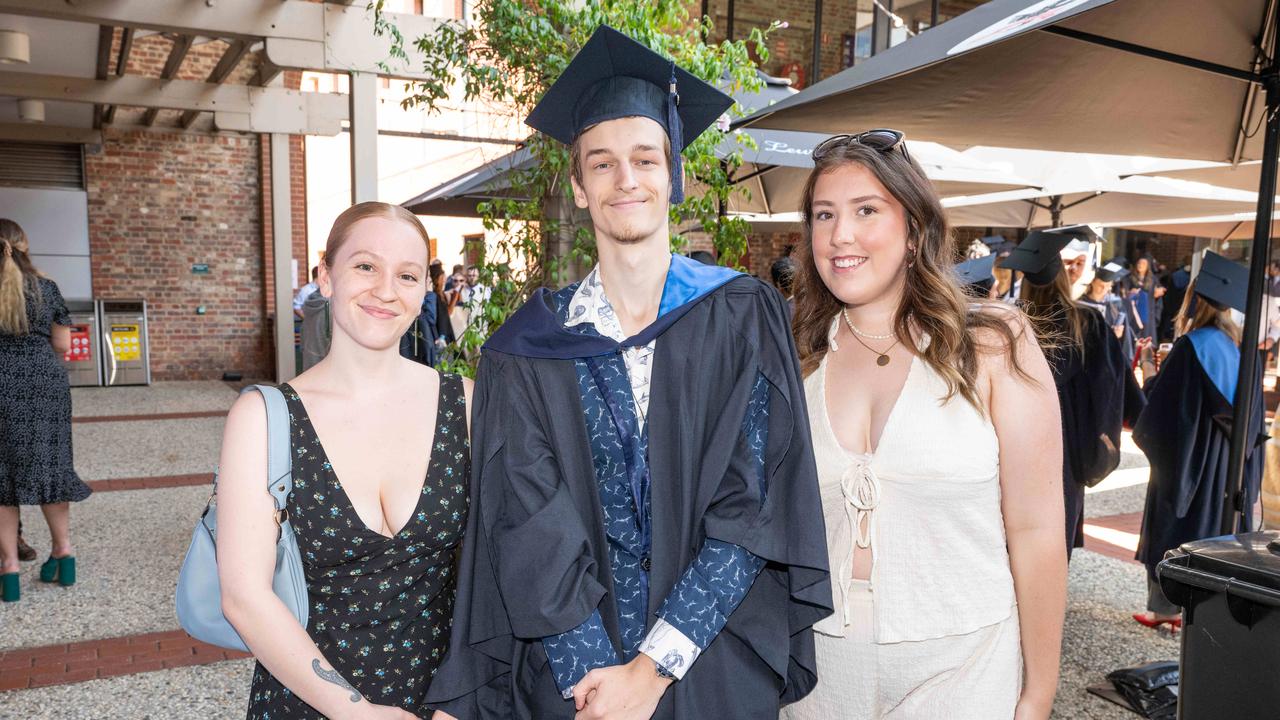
(35, 412)
(379, 501)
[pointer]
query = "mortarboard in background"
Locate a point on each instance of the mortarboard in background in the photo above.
(976, 273)
(1223, 282)
(613, 77)
(1111, 271)
(1038, 256)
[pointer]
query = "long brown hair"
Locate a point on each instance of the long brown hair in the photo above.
(17, 278)
(1197, 312)
(932, 299)
(1058, 320)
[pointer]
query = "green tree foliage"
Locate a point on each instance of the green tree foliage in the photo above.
(508, 56)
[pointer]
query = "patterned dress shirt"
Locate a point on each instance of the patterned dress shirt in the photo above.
(615, 394)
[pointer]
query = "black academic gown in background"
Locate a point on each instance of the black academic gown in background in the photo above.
(1185, 433)
(1091, 394)
(534, 561)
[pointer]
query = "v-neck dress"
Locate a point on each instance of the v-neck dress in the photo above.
(381, 607)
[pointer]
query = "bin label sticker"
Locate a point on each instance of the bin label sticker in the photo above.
(126, 342)
(79, 351)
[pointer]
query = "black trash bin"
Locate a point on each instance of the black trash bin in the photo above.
(1229, 590)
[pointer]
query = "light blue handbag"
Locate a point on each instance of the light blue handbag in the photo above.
(199, 595)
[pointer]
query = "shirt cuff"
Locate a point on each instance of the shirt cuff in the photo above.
(670, 648)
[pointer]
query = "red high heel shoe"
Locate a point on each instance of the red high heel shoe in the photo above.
(1174, 623)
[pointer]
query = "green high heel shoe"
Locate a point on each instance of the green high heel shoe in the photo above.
(11, 592)
(60, 570)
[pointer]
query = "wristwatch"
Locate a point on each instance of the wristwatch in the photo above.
(663, 672)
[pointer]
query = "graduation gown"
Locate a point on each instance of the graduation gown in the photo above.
(1091, 394)
(1185, 433)
(534, 561)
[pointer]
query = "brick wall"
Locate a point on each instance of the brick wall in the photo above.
(160, 202)
(161, 199)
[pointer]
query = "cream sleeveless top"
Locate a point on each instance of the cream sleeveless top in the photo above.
(931, 492)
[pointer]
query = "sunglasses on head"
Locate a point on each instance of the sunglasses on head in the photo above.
(881, 140)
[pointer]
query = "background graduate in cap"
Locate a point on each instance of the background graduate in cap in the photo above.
(1088, 369)
(1186, 428)
(644, 482)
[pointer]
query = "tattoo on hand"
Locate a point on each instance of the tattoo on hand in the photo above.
(333, 677)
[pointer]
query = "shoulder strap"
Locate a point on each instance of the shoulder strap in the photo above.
(279, 461)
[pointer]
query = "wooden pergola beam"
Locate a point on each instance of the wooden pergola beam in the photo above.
(231, 57)
(106, 34)
(122, 61)
(177, 53)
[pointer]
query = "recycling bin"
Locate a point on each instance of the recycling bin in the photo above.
(123, 324)
(1229, 591)
(84, 360)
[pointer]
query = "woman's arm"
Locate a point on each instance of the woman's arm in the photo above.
(60, 338)
(1029, 428)
(246, 563)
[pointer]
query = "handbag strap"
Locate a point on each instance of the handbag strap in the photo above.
(279, 460)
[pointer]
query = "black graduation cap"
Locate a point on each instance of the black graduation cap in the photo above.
(999, 245)
(1038, 256)
(613, 77)
(1223, 282)
(1111, 271)
(974, 271)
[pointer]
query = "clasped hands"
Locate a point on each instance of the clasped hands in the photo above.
(620, 692)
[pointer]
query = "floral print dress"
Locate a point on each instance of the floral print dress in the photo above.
(381, 607)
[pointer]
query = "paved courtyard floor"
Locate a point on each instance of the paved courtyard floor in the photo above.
(110, 647)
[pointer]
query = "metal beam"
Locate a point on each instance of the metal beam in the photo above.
(282, 256)
(31, 132)
(364, 137)
(237, 107)
(177, 53)
(231, 57)
(106, 34)
(300, 35)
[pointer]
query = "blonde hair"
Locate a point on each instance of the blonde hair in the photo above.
(17, 279)
(932, 299)
(1198, 312)
(363, 211)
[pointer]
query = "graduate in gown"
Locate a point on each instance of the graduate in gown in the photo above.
(645, 537)
(1186, 429)
(1088, 369)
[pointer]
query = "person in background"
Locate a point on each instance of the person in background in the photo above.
(783, 272)
(936, 434)
(703, 257)
(1075, 258)
(317, 330)
(1185, 430)
(455, 279)
(1145, 294)
(444, 308)
(36, 465)
(1088, 370)
(305, 292)
(380, 464)
(1175, 289)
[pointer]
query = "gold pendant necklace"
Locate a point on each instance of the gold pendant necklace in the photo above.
(882, 358)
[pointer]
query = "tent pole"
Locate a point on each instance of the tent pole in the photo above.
(1055, 211)
(1233, 504)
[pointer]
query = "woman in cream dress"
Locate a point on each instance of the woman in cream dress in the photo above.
(937, 438)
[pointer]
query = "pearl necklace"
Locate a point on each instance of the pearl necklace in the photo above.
(856, 331)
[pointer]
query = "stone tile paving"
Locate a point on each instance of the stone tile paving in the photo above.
(144, 449)
(160, 397)
(208, 692)
(129, 546)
